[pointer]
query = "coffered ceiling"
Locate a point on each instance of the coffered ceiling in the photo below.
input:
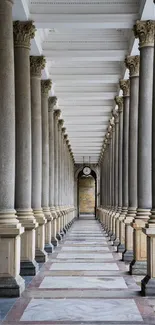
(85, 43)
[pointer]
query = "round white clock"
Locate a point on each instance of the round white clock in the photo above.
(86, 170)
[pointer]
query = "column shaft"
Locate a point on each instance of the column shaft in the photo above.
(23, 32)
(10, 228)
(145, 31)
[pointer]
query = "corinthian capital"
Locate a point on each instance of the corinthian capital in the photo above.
(37, 63)
(144, 30)
(132, 63)
(57, 113)
(63, 130)
(125, 86)
(51, 102)
(23, 32)
(46, 86)
(119, 103)
(61, 123)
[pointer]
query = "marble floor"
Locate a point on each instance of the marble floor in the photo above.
(84, 282)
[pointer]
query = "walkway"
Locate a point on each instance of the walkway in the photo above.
(84, 282)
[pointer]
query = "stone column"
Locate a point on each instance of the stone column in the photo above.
(112, 213)
(63, 177)
(11, 284)
(51, 103)
(125, 86)
(132, 63)
(45, 87)
(57, 114)
(23, 32)
(144, 30)
(121, 246)
(148, 283)
(36, 65)
(117, 214)
(60, 125)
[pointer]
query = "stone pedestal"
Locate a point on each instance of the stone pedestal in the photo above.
(23, 32)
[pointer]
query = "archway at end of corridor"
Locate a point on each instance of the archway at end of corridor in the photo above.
(87, 194)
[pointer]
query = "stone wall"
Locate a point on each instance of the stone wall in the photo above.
(87, 195)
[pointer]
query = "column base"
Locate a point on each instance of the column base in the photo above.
(127, 256)
(148, 286)
(48, 248)
(65, 230)
(58, 236)
(116, 242)
(54, 241)
(11, 287)
(41, 256)
(28, 268)
(112, 237)
(62, 233)
(138, 267)
(120, 248)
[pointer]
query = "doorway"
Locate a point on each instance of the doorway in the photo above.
(87, 194)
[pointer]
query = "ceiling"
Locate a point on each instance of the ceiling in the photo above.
(85, 43)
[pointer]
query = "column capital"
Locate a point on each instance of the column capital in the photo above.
(61, 123)
(132, 63)
(37, 63)
(51, 103)
(64, 130)
(65, 137)
(119, 103)
(144, 30)
(23, 32)
(125, 86)
(57, 113)
(46, 86)
(115, 115)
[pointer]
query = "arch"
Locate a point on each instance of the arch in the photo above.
(78, 175)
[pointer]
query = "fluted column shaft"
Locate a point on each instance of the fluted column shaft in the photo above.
(148, 283)
(117, 214)
(132, 63)
(144, 30)
(23, 32)
(56, 170)
(121, 246)
(51, 103)
(9, 241)
(36, 65)
(45, 87)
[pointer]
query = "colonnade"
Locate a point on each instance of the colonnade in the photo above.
(127, 163)
(36, 161)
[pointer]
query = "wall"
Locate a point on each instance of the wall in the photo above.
(87, 195)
